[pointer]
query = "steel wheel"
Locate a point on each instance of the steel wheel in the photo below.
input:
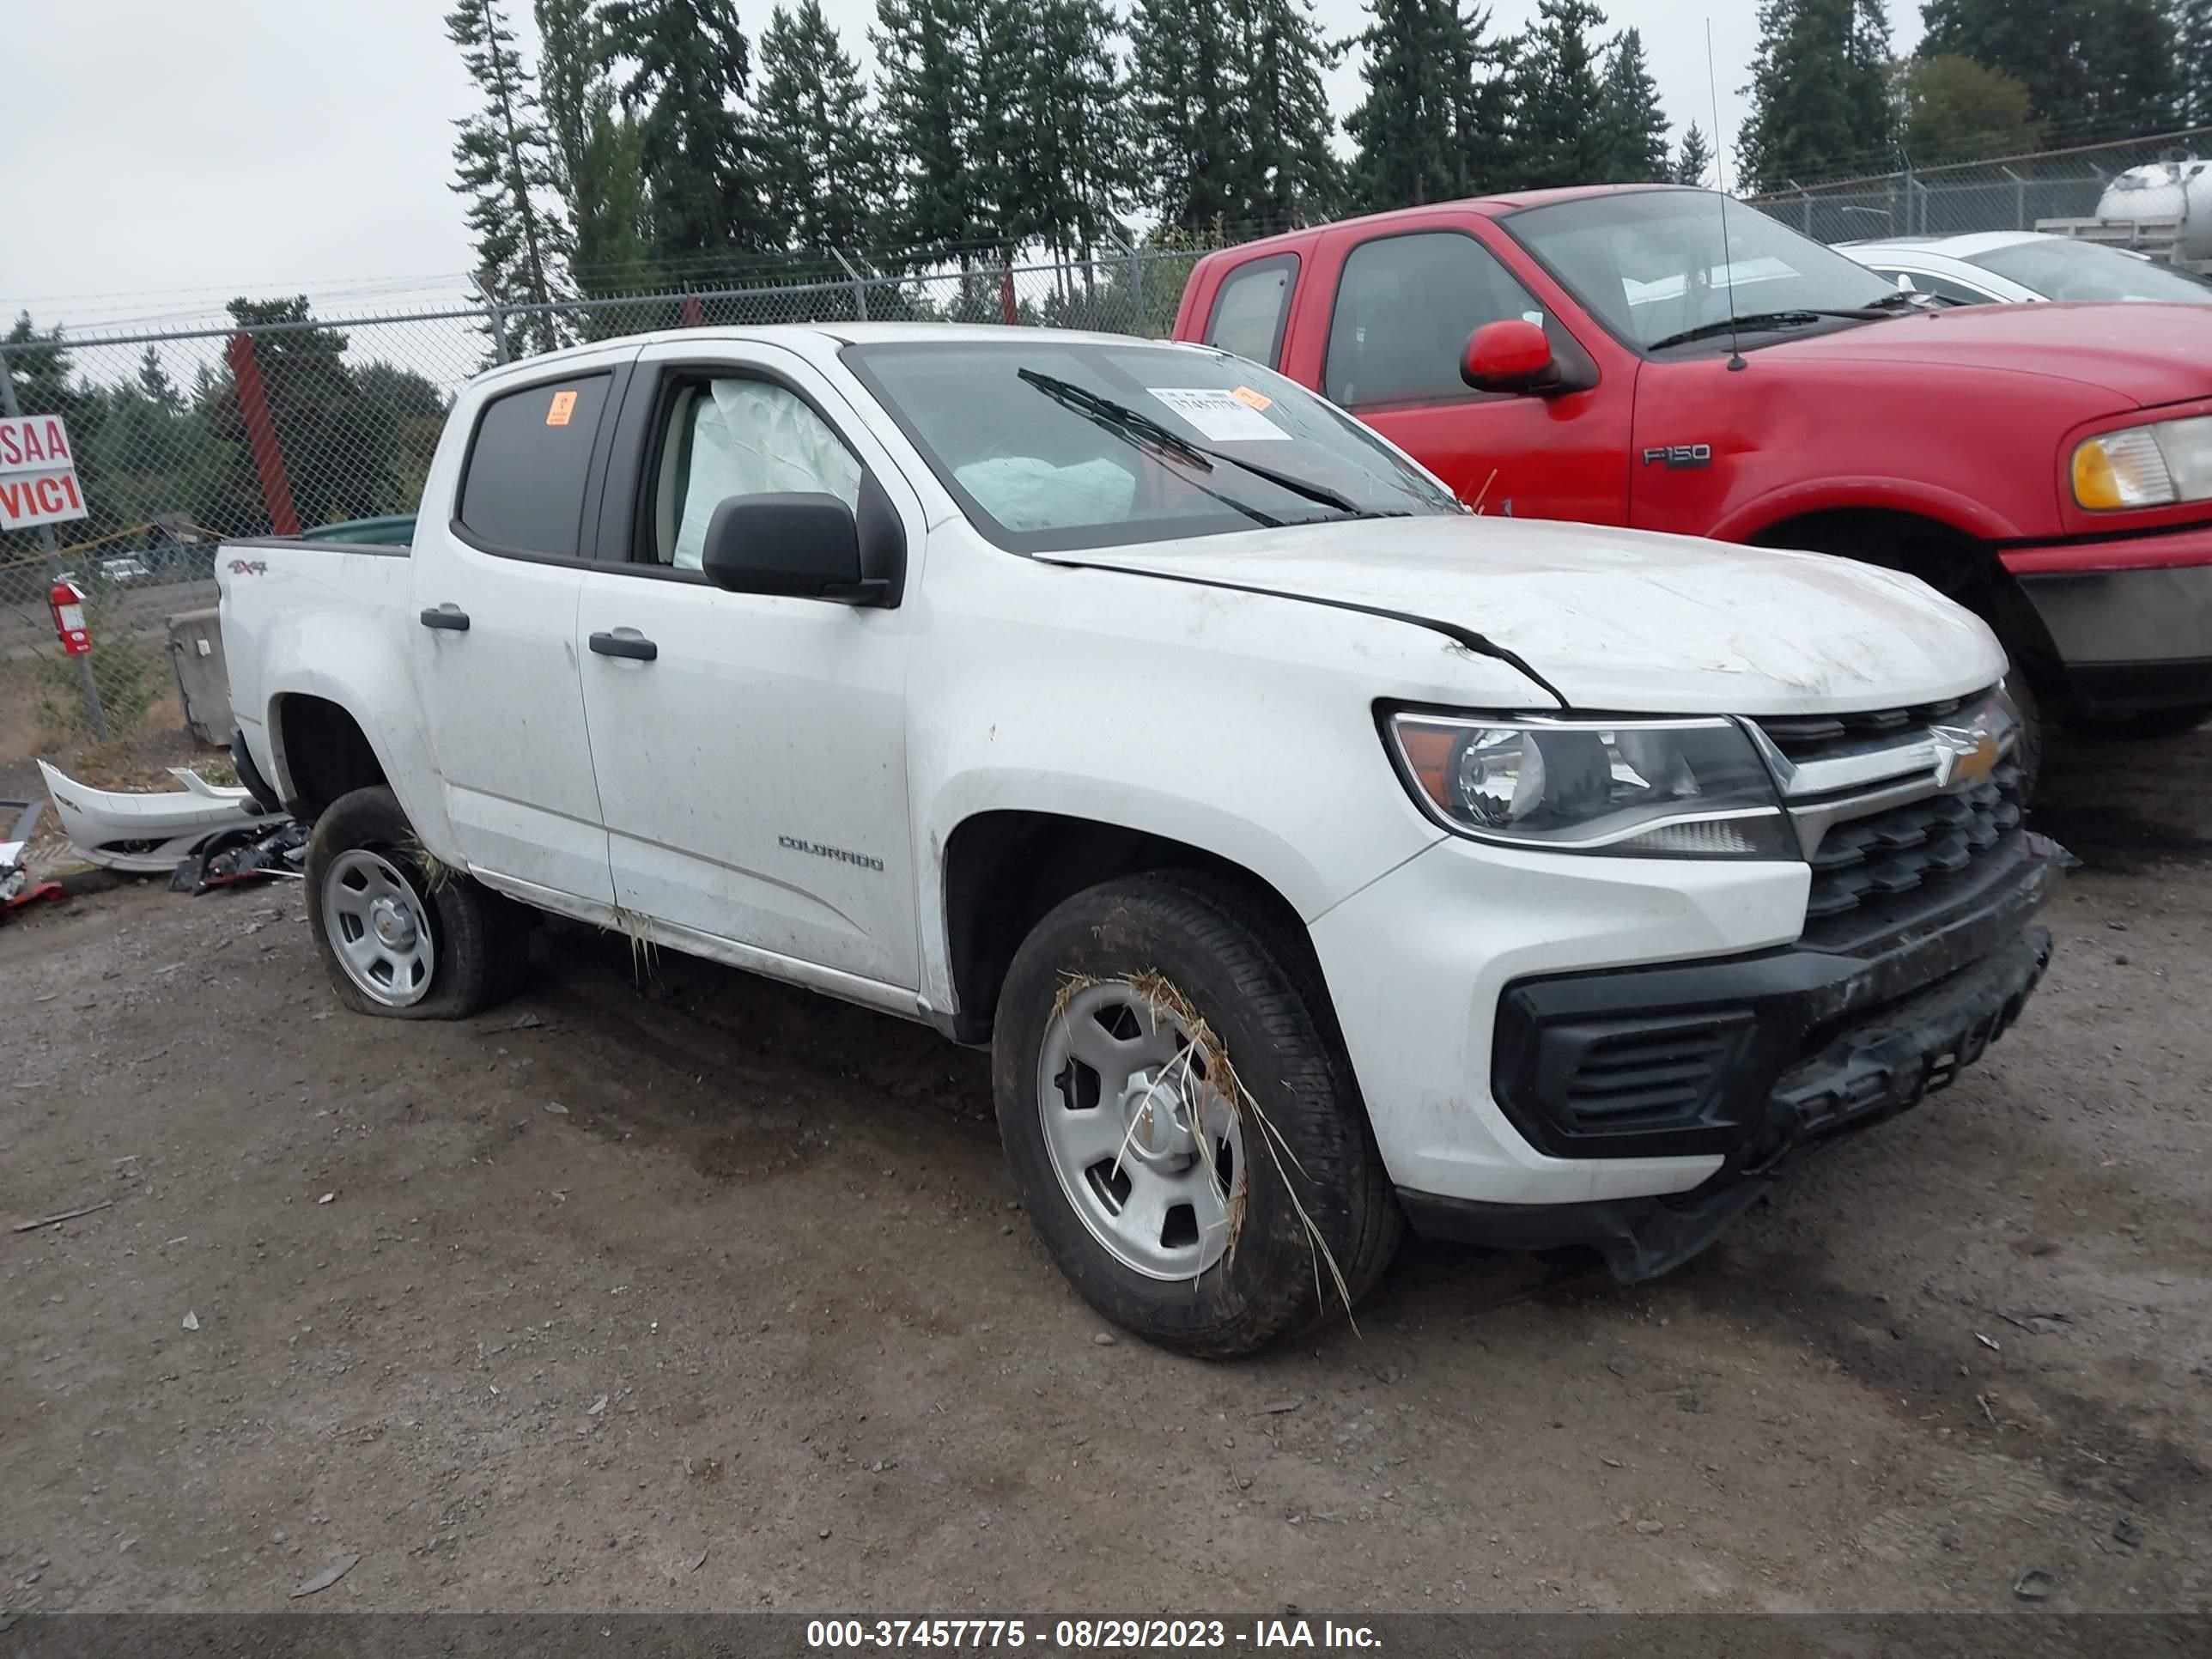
(379, 928)
(1148, 1153)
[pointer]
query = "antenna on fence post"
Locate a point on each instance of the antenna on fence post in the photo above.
(14, 412)
(859, 287)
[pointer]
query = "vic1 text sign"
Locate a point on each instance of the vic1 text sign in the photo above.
(38, 474)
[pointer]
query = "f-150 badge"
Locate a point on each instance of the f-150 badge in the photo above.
(1679, 456)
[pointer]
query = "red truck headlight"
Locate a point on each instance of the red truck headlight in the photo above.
(2140, 466)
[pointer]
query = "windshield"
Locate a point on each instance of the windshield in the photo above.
(1060, 444)
(1650, 264)
(2061, 270)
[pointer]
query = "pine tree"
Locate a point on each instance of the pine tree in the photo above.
(1819, 92)
(1013, 188)
(930, 88)
(2038, 45)
(1694, 160)
(821, 173)
(2129, 57)
(2093, 68)
(1077, 97)
(598, 167)
(2192, 33)
(1634, 125)
(1564, 131)
(1432, 126)
(1191, 135)
(1290, 174)
(337, 444)
(154, 383)
(502, 161)
(38, 367)
(691, 62)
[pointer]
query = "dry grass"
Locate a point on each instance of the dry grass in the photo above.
(644, 954)
(1166, 1002)
(436, 874)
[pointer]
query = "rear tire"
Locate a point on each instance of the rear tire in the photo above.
(1216, 1271)
(402, 936)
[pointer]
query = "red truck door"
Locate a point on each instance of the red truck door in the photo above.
(1382, 320)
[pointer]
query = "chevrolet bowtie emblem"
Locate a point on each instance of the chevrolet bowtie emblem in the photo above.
(1963, 755)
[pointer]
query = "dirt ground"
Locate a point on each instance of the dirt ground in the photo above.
(714, 1296)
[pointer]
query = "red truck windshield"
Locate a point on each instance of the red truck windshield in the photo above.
(1650, 264)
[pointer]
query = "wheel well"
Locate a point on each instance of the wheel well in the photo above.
(1956, 564)
(326, 754)
(1004, 871)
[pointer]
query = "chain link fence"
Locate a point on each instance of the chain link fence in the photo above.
(282, 421)
(293, 422)
(2058, 190)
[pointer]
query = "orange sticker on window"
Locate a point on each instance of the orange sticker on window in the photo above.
(564, 406)
(1251, 399)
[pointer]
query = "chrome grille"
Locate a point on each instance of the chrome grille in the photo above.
(1811, 736)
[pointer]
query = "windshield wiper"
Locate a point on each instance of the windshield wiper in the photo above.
(1763, 319)
(1114, 416)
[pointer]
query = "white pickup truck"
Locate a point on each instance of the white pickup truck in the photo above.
(1315, 856)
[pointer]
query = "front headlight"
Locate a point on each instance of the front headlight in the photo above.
(1684, 788)
(2145, 465)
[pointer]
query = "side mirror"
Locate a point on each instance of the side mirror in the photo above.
(1511, 354)
(800, 546)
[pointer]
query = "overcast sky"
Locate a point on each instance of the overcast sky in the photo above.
(166, 156)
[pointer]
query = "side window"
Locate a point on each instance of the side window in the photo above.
(1405, 307)
(528, 465)
(736, 437)
(1252, 307)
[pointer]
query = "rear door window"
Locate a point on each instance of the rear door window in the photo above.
(1405, 307)
(1251, 309)
(529, 465)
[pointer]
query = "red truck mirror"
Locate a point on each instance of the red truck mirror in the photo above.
(1511, 354)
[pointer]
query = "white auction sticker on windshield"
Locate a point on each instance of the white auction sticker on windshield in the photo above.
(1217, 413)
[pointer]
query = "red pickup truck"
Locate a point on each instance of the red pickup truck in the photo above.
(1642, 356)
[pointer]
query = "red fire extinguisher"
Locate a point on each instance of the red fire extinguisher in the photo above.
(68, 606)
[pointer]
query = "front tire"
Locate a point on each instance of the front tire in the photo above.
(1202, 1216)
(402, 936)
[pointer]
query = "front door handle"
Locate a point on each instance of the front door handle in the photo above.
(625, 643)
(447, 616)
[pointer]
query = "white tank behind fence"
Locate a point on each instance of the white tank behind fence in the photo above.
(2172, 192)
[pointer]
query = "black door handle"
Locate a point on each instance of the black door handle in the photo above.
(626, 642)
(447, 616)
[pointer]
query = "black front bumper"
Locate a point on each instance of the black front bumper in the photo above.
(1760, 1059)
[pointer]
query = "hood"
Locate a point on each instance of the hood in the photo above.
(1619, 620)
(2141, 353)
